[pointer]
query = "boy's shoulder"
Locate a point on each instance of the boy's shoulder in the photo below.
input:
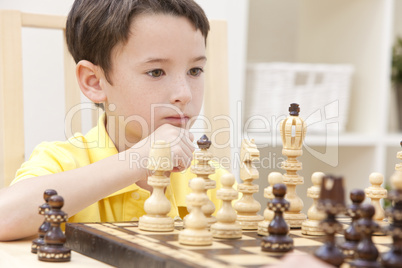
(58, 156)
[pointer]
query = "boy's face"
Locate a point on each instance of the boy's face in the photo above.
(156, 77)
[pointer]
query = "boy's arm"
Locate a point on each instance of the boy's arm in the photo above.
(81, 187)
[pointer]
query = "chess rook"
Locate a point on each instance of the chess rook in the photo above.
(352, 236)
(157, 206)
(203, 169)
(293, 131)
(54, 250)
(247, 207)
(226, 227)
(332, 202)
(278, 240)
(393, 258)
(45, 226)
(312, 226)
(273, 178)
(196, 225)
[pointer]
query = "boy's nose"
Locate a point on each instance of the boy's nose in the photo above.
(181, 93)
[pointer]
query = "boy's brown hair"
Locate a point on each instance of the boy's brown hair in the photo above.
(94, 27)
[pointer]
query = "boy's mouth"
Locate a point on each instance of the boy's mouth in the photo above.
(178, 121)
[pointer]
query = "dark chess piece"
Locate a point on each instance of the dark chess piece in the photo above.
(332, 202)
(278, 240)
(204, 142)
(366, 251)
(38, 242)
(54, 250)
(393, 258)
(352, 236)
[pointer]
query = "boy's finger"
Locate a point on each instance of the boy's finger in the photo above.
(191, 136)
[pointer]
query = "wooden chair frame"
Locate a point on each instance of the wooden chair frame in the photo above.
(11, 86)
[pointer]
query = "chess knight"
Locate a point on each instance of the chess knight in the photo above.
(247, 207)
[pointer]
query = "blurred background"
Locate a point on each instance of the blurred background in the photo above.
(333, 57)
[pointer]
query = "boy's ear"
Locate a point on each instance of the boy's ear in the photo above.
(88, 77)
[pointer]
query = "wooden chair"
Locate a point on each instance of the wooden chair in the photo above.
(11, 86)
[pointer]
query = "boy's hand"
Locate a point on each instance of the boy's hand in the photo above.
(181, 145)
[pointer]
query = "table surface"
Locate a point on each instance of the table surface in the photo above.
(18, 254)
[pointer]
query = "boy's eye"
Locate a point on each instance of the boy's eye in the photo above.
(195, 71)
(156, 73)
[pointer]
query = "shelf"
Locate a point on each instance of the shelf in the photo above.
(343, 140)
(393, 139)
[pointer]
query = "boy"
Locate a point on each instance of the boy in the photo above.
(143, 60)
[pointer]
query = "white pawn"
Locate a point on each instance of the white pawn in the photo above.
(273, 178)
(375, 192)
(226, 227)
(312, 226)
(196, 232)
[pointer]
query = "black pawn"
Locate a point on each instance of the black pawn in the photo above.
(38, 242)
(352, 236)
(366, 252)
(331, 201)
(278, 240)
(54, 250)
(204, 142)
(393, 258)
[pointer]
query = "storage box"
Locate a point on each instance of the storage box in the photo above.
(321, 90)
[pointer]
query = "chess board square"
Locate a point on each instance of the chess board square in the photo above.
(254, 249)
(98, 226)
(248, 259)
(296, 232)
(139, 231)
(382, 248)
(382, 240)
(300, 242)
(125, 224)
(244, 238)
(215, 245)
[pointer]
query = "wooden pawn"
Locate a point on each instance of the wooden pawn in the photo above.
(312, 226)
(226, 227)
(273, 178)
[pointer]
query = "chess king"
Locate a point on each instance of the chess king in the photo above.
(293, 131)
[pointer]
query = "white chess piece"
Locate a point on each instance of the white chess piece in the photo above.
(312, 226)
(293, 130)
(375, 192)
(273, 178)
(157, 206)
(247, 207)
(196, 225)
(226, 227)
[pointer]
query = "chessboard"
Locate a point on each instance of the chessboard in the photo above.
(122, 244)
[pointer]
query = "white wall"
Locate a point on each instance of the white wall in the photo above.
(236, 15)
(43, 74)
(272, 30)
(44, 111)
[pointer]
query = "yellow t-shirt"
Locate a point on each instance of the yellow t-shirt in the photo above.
(124, 205)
